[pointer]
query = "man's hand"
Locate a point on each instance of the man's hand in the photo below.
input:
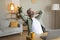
(36, 13)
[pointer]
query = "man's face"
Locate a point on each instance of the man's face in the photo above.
(30, 13)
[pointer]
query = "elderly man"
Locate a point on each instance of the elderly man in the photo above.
(32, 21)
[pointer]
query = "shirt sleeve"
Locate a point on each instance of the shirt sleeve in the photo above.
(23, 16)
(39, 14)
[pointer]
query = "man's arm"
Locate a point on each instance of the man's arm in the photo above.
(23, 16)
(39, 14)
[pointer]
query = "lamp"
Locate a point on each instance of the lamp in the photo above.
(12, 7)
(55, 7)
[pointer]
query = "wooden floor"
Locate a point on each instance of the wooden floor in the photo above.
(15, 37)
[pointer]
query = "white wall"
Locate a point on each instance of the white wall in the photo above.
(47, 18)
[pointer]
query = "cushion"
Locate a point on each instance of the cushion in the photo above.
(14, 24)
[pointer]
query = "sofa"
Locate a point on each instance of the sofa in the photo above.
(53, 34)
(6, 30)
